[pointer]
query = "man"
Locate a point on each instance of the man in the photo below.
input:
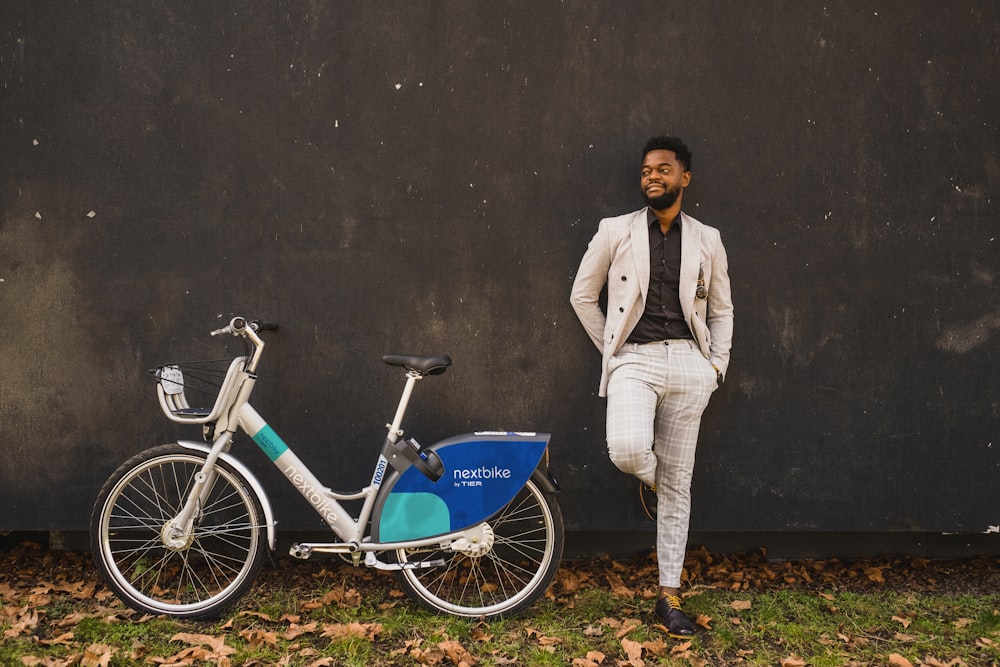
(665, 342)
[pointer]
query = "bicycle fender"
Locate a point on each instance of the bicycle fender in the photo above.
(258, 489)
(544, 479)
(482, 474)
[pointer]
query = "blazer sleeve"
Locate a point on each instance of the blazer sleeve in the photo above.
(720, 309)
(590, 280)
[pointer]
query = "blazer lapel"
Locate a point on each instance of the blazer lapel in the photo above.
(639, 232)
(690, 261)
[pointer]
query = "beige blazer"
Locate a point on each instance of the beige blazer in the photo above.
(618, 255)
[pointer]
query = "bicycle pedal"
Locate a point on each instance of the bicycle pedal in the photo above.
(300, 551)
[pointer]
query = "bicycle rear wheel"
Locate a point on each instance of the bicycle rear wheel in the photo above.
(210, 569)
(527, 547)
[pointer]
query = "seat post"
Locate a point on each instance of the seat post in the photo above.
(394, 428)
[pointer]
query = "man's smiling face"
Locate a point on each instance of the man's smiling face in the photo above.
(662, 179)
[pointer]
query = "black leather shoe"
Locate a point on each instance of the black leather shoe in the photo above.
(647, 496)
(668, 610)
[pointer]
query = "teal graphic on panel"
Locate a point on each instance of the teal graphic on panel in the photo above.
(413, 514)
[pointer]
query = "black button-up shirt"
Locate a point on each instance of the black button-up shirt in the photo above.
(662, 318)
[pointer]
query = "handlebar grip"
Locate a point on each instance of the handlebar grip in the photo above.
(264, 326)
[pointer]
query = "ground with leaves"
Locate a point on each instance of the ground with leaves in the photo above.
(54, 611)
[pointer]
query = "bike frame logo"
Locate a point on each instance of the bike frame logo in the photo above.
(476, 476)
(313, 496)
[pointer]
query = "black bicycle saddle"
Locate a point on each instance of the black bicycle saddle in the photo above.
(434, 365)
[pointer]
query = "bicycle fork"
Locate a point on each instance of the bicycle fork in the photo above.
(177, 534)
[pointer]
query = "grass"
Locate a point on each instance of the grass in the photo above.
(750, 612)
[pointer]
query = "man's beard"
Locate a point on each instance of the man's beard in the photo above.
(664, 201)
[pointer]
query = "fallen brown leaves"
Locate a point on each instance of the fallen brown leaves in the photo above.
(203, 647)
(636, 652)
(32, 580)
(754, 572)
(896, 660)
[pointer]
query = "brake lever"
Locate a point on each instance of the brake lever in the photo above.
(236, 327)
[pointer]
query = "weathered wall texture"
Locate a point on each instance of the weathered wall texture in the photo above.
(425, 176)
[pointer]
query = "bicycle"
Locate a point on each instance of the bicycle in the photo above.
(469, 525)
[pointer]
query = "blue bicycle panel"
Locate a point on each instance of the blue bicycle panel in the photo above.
(483, 472)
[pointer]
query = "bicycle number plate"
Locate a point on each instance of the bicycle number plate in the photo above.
(172, 380)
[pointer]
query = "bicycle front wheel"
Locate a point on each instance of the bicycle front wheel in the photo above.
(527, 547)
(204, 571)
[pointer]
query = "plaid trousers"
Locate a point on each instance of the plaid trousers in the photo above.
(657, 393)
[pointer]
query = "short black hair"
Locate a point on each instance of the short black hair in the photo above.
(665, 143)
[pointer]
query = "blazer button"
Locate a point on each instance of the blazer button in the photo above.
(624, 278)
(621, 309)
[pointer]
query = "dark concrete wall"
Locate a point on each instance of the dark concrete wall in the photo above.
(425, 176)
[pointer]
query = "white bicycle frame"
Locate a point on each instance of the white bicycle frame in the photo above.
(232, 410)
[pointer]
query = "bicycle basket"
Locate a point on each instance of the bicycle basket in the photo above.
(207, 382)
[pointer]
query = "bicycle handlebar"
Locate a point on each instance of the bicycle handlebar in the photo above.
(239, 326)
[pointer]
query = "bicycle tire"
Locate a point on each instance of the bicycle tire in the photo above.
(510, 577)
(199, 579)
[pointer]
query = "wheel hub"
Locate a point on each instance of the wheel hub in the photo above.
(174, 538)
(475, 542)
